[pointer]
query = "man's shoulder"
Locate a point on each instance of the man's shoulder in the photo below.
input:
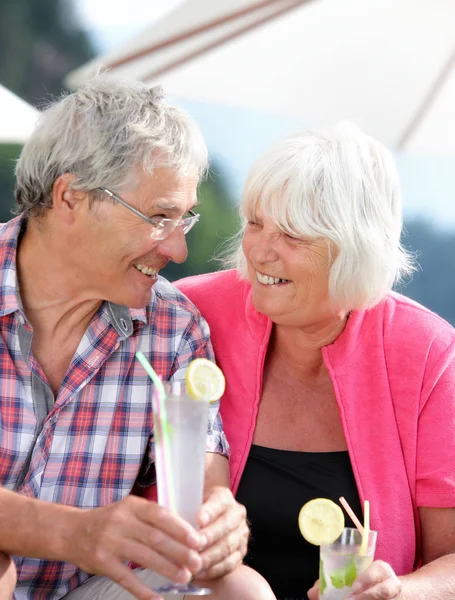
(167, 298)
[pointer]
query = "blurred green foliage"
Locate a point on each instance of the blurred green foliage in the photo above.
(217, 223)
(8, 155)
(40, 42)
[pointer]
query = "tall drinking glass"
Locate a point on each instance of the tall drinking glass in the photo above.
(180, 432)
(341, 563)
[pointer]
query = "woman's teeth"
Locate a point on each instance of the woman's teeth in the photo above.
(267, 280)
(147, 270)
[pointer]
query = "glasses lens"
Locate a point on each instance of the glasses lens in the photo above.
(189, 223)
(160, 230)
(166, 226)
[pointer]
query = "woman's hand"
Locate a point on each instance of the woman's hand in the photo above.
(225, 531)
(378, 582)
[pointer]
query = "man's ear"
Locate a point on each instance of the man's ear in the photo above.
(65, 200)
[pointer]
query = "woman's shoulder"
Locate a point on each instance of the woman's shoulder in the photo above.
(214, 289)
(402, 316)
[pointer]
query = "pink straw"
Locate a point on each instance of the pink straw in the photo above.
(351, 513)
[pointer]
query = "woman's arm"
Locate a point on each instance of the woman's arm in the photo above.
(435, 580)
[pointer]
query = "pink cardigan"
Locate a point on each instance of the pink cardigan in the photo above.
(393, 372)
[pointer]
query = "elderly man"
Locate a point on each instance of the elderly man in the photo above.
(106, 188)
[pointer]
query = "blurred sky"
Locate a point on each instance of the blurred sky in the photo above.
(236, 137)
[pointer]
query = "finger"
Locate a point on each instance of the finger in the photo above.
(166, 521)
(157, 541)
(231, 520)
(313, 593)
(377, 582)
(126, 578)
(235, 541)
(217, 503)
(377, 572)
(153, 560)
(222, 568)
(385, 590)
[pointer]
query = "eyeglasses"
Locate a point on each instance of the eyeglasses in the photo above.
(162, 227)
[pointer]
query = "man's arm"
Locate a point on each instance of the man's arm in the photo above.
(102, 540)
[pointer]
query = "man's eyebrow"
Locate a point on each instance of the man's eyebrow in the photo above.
(171, 208)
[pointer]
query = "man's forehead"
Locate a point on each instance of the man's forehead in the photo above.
(168, 190)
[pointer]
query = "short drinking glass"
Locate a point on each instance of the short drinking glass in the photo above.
(341, 563)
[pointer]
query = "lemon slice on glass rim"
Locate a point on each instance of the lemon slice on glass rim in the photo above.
(321, 521)
(204, 380)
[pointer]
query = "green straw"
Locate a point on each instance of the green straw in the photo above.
(165, 441)
(153, 376)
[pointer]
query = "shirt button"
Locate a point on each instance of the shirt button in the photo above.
(21, 319)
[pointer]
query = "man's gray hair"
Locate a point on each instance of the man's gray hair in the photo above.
(102, 133)
(342, 186)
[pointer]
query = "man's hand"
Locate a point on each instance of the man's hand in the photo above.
(8, 577)
(135, 530)
(224, 531)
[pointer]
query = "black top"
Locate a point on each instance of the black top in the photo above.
(274, 487)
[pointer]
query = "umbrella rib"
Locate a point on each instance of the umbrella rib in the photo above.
(193, 32)
(428, 101)
(222, 40)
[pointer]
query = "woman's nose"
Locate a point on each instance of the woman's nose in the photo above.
(264, 249)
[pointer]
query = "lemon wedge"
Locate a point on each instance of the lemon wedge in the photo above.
(204, 380)
(321, 521)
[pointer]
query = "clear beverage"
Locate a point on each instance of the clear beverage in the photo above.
(341, 563)
(180, 441)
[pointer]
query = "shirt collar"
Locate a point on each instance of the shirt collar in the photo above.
(9, 290)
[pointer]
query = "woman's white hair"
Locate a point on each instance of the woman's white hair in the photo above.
(102, 133)
(342, 186)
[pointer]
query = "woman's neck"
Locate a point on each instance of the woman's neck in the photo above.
(300, 348)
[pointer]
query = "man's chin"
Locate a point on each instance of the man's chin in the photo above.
(136, 301)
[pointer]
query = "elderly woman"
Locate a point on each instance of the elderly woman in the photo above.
(336, 385)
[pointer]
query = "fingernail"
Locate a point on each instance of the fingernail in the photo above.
(202, 541)
(195, 561)
(356, 587)
(204, 518)
(183, 576)
(194, 539)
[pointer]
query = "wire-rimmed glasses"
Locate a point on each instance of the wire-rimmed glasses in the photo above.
(162, 227)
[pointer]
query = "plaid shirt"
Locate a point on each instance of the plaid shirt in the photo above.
(86, 447)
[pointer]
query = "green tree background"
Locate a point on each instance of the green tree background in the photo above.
(41, 41)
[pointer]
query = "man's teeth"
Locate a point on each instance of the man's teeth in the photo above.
(147, 270)
(267, 280)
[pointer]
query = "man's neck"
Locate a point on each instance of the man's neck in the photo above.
(52, 298)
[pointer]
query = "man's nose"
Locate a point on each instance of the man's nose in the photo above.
(174, 247)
